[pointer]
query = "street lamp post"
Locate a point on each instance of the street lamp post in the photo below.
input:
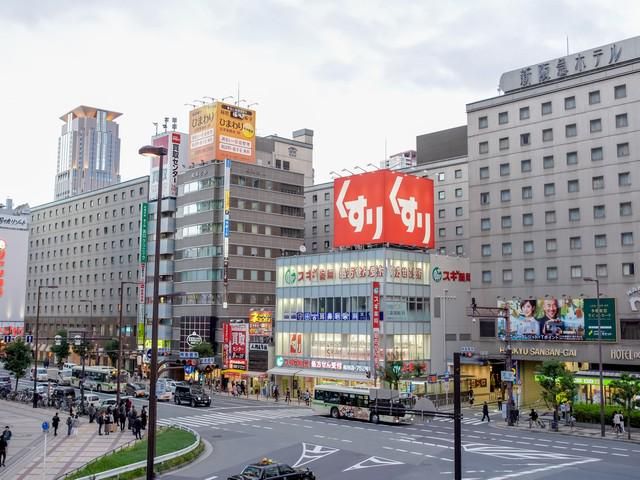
(159, 152)
(91, 335)
(35, 349)
(122, 284)
(600, 374)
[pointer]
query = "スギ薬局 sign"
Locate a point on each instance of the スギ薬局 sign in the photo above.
(383, 207)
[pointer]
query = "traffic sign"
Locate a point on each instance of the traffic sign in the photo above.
(207, 361)
(506, 376)
(188, 355)
(188, 369)
(45, 426)
(148, 354)
(7, 339)
(29, 338)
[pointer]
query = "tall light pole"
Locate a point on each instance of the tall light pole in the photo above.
(35, 349)
(597, 282)
(159, 152)
(122, 284)
(90, 302)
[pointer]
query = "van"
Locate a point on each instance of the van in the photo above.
(68, 365)
(92, 399)
(52, 374)
(64, 377)
(42, 374)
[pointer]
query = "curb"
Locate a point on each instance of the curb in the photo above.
(564, 433)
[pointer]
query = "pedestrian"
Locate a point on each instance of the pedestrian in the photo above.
(123, 419)
(616, 422)
(131, 416)
(92, 413)
(107, 422)
(128, 405)
(485, 412)
(471, 397)
(3, 451)
(137, 427)
(7, 434)
(69, 425)
(143, 417)
(499, 404)
(55, 421)
(76, 424)
(100, 422)
(276, 392)
(287, 396)
(307, 397)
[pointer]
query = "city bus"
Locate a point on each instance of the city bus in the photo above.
(370, 404)
(99, 378)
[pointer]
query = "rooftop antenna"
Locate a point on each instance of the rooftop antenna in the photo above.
(567, 44)
(238, 98)
(240, 101)
(155, 124)
(174, 123)
(385, 148)
(165, 124)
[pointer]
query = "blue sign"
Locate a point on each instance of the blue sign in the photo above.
(29, 338)
(149, 354)
(225, 230)
(45, 426)
(7, 338)
(188, 355)
(188, 369)
(347, 316)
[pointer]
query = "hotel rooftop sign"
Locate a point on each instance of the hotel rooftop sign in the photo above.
(574, 64)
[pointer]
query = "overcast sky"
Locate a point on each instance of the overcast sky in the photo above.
(356, 72)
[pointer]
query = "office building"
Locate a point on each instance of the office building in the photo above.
(295, 154)
(400, 160)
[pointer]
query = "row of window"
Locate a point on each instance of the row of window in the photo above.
(103, 277)
(314, 229)
(80, 249)
(459, 211)
(625, 210)
(55, 212)
(216, 227)
(551, 244)
(102, 308)
(457, 174)
(442, 195)
(99, 217)
(327, 213)
(113, 292)
(571, 130)
(121, 260)
(327, 197)
(628, 269)
(89, 233)
(314, 245)
(546, 108)
(209, 298)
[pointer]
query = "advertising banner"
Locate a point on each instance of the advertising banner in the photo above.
(260, 323)
(295, 343)
(383, 207)
(552, 319)
(225, 232)
(375, 322)
(14, 245)
(236, 340)
(226, 340)
(235, 133)
(201, 134)
(173, 164)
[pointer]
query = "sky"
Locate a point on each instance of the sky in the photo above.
(366, 76)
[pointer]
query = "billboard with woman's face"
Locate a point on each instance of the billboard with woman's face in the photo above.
(558, 319)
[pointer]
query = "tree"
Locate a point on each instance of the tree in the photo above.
(557, 385)
(61, 351)
(391, 374)
(18, 359)
(82, 348)
(204, 349)
(626, 390)
(112, 349)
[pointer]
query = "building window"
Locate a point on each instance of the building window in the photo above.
(525, 165)
(314, 199)
(527, 219)
(441, 213)
(570, 103)
(484, 172)
(594, 97)
(505, 221)
(547, 135)
(458, 230)
(459, 250)
(529, 274)
(595, 125)
(507, 249)
(527, 246)
(525, 139)
(485, 224)
(597, 183)
(507, 275)
(327, 196)
(575, 243)
(596, 154)
(441, 195)
(458, 173)
(552, 273)
(504, 169)
(601, 270)
(625, 209)
(623, 149)
(551, 245)
(626, 239)
(458, 211)
(574, 214)
(503, 117)
(547, 162)
(486, 250)
(483, 147)
(628, 269)
(486, 276)
(326, 228)
(505, 195)
(622, 120)
(483, 122)
(524, 113)
(527, 193)
(573, 186)
(571, 130)
(314, 214)
(326, 212)
(458, 193)
(619, 91)
(442, 251)
(576, 271)
(550, 216)
(441, 177)
(484, 198)
(572, 158)
(503, 143)
(546, 108)
(442, 232)
(549, 189)
(600, 240)
(624, 179)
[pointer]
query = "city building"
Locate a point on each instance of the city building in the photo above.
(88, 151)
(400, 160)
(85, 247)
(14, 244)
(294, 154)
(553, 168)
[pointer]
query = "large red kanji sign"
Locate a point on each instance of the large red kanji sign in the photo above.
(383, 207)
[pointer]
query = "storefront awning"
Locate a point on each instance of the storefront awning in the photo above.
(312, 372)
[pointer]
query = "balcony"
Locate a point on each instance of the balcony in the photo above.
(164, 288)
(168, 205)
(168, 225)
(166, 268)
(167, 247)
(165, 310)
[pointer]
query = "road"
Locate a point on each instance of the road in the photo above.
(241, 431)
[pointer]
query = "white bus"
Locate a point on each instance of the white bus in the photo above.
(371, 404)
(99, 378)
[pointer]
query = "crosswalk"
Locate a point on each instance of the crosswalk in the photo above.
(243, 417)
(467, 421)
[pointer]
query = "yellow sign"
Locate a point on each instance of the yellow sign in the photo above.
(260, 323)
(202, 134)
(235, 133)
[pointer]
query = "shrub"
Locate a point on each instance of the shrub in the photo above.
(590, 413)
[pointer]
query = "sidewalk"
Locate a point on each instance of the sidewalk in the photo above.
(64, 453)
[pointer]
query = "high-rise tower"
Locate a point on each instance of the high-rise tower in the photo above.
(88, 151)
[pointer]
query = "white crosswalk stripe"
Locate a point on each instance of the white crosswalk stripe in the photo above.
(467, 421)
(224, 418)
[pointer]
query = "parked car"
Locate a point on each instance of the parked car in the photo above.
(5, 381)
(135, 389)
(92, 399)
(42, 374)
(111, 402)
(192, 395)
(61, 393)
(64, 377)
(273, 471)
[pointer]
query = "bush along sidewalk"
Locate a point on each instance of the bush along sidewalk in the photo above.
(590, 413)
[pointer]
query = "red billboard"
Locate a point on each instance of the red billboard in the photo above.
(383, 207)
(235, 337)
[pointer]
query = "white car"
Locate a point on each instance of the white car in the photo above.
(42, 374)
(64, 377)
(92, 399)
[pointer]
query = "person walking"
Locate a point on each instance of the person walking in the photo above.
(3, 451)
(276, 392)
(143, 417)
(122, 417)
(69, 425)
(6, 434)
(55, 421)
(100, 421)
(287, 396)
(107, 422)
(75, 425)
(137, 428)
(485, 412)
(92, 413)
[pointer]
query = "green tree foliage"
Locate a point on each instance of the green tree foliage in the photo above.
(61, 351)
(627, 388)
(18, 359)
(557, 384)
(204, 349)
(112, 349)
(391, 374)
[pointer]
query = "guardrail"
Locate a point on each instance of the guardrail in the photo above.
(133, 466)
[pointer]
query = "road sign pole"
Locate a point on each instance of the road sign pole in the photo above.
(45, 430)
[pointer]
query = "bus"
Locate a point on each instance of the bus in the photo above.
(99, 378)
(371, 404)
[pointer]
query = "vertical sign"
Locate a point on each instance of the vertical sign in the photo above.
(607, 314)
(201, 134)
(175, 163)
(226, 340)
(375, 323)
(237, 335)
(225, 229)
(144, 223)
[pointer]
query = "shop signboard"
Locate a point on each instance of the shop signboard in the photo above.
(260, 323)
(375, 322)
(551, 320)
(235, 133)
(236, 338)
(383, 206)
(201, 134)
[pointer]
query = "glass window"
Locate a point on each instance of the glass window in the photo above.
(507, 275)
(524, 113)
(459, 250)
(573, 186)
(525, 139)
(483, 122)
(625, 209)
(441, 213)
(505, 221)
(505, 195)
(527, 193)
(484, 198)
(624, 179)
(458, 173)
(576, 271)
(503, 117)
(458, 193)
(547, 161)
(527, 219)
(575, 243)
(574, 214)
(486, 276)
(441, 176)
(484, 172)
(525, 165)
(552, 273)
(570, 103)
(549, 189)
(546, 108)
(486, 250)
(597, 183)
(547, 135)
(622, 121)
(485, 224)
(595, 125)
(441, 195)
(504, 169)
(623, 149)
(628, 269)
(507, 249)
(527, 246)
(626, 239)
(594, 97)
(571, 130)
(572, 158)
(483, 147)
(458, 211)
(529, 274)
(551, 245)
(600, 240)
(459, 230)
(596, 154)
(601, 270)
(503, 143)
(550, 216)
(619, 91)
(442, 232)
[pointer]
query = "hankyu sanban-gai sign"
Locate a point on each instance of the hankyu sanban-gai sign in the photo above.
(383, 207)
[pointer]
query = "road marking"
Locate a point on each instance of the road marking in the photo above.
(311, 452)
(595, 451)
(415, 453)
(614, 448)
(211, 478)
(387, 448)
(558, 441)
(579, 449)
(544, 469)
(620, 454)
(581, 444)
(401, 450)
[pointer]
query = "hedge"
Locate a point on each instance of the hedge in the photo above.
(590, 413)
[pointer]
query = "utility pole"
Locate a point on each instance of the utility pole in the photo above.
(457, 418)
